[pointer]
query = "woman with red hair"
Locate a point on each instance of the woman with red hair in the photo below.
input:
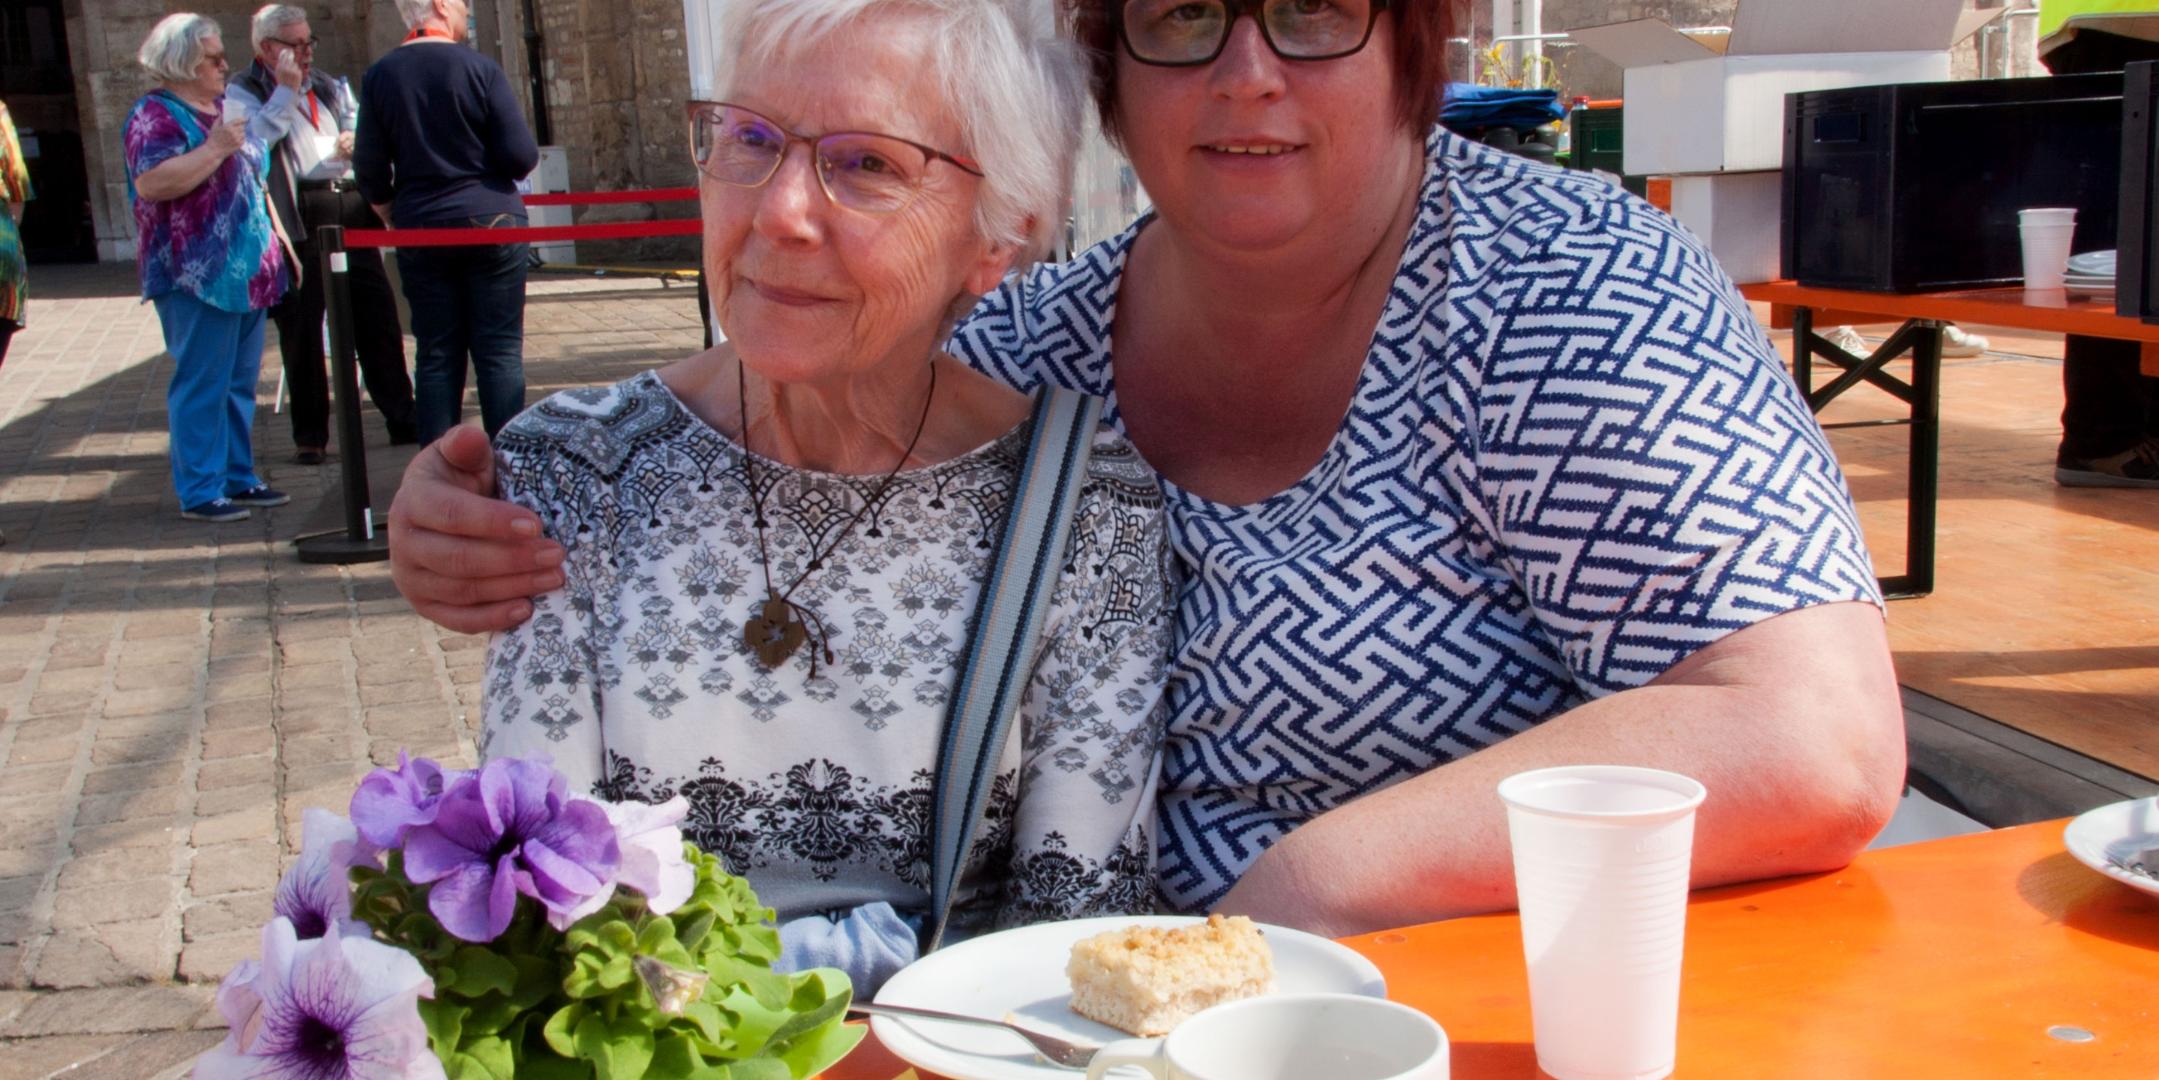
(1472, 465)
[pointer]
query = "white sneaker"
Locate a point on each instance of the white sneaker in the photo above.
(1848, 339)
(1955, 342)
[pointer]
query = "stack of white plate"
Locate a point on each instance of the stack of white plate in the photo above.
(2091, 272)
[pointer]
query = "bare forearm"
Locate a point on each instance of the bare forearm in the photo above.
(1801, 773)
(179, 175)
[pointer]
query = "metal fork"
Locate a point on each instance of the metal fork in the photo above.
(1054, 1050)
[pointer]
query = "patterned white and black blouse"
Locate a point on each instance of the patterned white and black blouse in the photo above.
(1572, 459)
(633, 676)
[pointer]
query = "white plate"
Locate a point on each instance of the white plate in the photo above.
(1022, 972)
(2113, 840)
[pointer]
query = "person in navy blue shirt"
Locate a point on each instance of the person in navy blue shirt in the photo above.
(442, 144)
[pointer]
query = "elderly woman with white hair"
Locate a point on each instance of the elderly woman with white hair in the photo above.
(881, 165)
(210, 262)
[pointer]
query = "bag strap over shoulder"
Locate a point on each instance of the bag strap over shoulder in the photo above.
(999, 660)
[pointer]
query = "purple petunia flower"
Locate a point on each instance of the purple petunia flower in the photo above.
(505, 830)
(329, 1008)
(391, 801)
(316, 893)
(650, 836)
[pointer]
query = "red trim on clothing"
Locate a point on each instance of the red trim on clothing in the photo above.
(428, 32)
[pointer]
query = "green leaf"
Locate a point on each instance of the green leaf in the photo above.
(560, 1028)
(536, 981)
(694, 931)
(771, 990)
(656, 935)
(617, 1051)
(483, 1059)
(821, 995)
(760, 1069)
(489, 1016)
(445, 1020)
(480, 971)
(674, 1057)
(537, 1065)
(818, 1050)
(710, 1020)
(618, 972)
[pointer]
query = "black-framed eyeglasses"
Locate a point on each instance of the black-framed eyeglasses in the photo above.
(860, 170)
(303, 45)
(1189, 33)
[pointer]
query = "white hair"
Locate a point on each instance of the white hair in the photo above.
(271, 18)
(415, 12)
(1015, 84)
(175, 45)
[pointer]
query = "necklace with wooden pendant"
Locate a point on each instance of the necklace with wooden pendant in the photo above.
(776, 630)
(774, 633)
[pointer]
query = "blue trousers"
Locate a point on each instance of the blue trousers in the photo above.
(210, 406)
(468, 303)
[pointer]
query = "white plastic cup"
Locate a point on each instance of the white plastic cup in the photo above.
(2046, 233)
(1291, 1037)
(230, 111)
(1601, 857)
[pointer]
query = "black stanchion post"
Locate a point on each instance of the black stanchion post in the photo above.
(704, 306)
(358, 541)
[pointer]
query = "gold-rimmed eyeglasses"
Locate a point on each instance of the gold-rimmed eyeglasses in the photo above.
(1188, 33)
(860, 170)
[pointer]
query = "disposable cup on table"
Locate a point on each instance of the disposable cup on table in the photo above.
(2046, 233)
(1601, 857)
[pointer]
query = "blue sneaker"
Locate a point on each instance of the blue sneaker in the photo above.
(260, 495)
(215, 510)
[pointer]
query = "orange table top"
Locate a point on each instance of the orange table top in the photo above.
(2055, 312)
(1952, 958)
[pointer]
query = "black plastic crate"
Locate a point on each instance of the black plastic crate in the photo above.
(1916, 186)
(1596, 139)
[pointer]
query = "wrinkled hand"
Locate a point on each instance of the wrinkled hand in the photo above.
(288, 69)
(463, 558)
(228, 137)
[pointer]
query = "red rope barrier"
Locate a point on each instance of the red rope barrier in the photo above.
(530, 234)
(602, 198)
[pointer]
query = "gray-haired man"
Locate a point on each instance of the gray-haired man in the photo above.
(309, 127)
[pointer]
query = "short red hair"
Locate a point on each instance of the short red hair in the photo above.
(1421, 28)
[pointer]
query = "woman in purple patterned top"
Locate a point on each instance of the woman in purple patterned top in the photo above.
(211, 263)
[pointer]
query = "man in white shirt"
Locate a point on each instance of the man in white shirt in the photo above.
(307, 118)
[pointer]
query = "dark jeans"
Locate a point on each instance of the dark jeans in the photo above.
(466, 302)
(7, 333)
(2108, 407)
(375, 333)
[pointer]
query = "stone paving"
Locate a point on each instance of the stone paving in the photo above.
(173, 694)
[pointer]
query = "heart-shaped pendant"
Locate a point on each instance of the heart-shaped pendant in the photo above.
(774, 633)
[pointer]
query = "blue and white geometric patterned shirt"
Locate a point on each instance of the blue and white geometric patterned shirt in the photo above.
(1572, 459)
